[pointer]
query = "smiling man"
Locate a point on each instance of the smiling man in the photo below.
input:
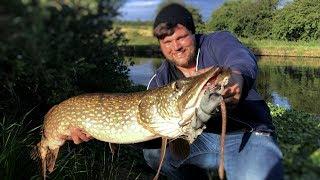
(251, 151)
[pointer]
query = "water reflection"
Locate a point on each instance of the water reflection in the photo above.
(288, 82)
(143, 69)
(291, 83)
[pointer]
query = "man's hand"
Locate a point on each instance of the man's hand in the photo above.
(232, 92)
(78, 136)
(209, 102)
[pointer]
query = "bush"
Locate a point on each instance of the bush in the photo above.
(299, 137)
(60, 50)
(299, 20)
(247, 18)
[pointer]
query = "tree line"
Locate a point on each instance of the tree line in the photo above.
(265, 19)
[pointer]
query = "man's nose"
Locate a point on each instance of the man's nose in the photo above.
(177, 45)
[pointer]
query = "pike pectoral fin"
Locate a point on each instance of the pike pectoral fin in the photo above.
(162, 155)
(153, 121)
(113, 149)
(145, 112)
(179, 148)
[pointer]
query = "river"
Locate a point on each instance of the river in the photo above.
(292, 83)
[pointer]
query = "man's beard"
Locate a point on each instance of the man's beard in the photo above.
(191, 60)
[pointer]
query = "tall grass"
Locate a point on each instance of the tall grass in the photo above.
(17, 141)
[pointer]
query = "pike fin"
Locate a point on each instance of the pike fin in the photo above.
(51, 158)
(144, 119)
(113, 149)
(48, 156)
(152, 121)
(179, 148)
(162, 156)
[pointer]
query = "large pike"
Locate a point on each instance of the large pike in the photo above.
(165, 112)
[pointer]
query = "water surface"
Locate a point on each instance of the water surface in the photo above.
(288, 82)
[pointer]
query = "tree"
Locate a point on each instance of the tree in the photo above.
(245, 18)
(197, 18)
(298, 20)
(57, 50)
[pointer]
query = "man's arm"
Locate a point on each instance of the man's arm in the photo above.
(229, 52)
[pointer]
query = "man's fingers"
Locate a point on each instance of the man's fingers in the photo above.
(227, 93)
(232, 91)
(75, 137)
(231, 102)
(78, 136)
(89, 136)
(83, 136)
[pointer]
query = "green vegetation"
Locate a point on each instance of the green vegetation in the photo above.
(298, 20)
(268, 47)
(298, 135)
(244, 18)
(51, 50)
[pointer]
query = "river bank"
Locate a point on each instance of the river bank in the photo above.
(142, 43)
(154, 50)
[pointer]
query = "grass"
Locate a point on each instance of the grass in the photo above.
(141, 35)
(289, 61)
(283, 48)
(138, 34)
(299, 137)
(16, 146)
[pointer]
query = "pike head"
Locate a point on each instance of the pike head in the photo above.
(168, 111)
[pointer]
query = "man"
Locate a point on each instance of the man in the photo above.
(250, 148)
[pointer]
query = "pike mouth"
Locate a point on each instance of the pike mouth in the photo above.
(197, 86)
(192, 97)
(211, 83)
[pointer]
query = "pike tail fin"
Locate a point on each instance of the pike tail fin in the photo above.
(48, 156)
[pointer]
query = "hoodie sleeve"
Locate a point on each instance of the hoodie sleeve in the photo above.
(229, 52)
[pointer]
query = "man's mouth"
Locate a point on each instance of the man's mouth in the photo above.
(180, 54)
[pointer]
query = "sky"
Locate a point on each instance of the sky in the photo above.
(145, 10)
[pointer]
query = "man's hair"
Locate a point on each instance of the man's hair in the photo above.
(169, 17)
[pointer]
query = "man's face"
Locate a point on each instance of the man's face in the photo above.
(179, 47)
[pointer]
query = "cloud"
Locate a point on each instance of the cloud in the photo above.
(141, 3)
